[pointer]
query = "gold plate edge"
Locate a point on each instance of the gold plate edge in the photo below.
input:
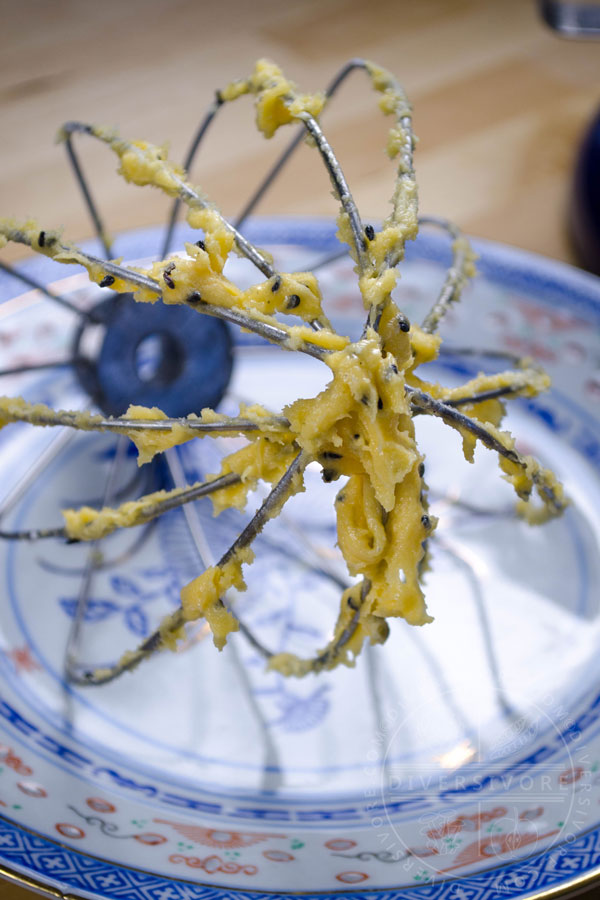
(579, 882)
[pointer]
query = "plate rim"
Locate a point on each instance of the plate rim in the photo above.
(562, 889)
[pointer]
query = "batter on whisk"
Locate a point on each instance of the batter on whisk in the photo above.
(359, 428)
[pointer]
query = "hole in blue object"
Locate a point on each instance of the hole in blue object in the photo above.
(158, 358)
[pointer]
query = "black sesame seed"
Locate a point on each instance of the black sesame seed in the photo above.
(403, 323)
(276, 284)
(352, 604)
(356, 436)
(364, 399)
(329, 454)
(383, 631)
(340, 498)
(394, 368)
(292, 301)
(168, 280)
(426, 522)
(370, 232)
(379, 403)
(195, 298)
(42, 238)
(328, 475)
(201, 244)
(421, 469)
(107, 281)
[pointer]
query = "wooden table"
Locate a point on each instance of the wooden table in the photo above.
(500, 106)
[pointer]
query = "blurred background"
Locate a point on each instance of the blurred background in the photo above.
(501, 104)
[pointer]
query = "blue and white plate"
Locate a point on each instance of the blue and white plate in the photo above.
(461, 760)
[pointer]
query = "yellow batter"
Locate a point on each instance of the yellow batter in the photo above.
(359, 428)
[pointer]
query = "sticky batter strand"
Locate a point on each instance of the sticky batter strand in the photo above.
(360, 428)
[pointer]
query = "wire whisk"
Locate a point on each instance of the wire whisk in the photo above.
(360, 428)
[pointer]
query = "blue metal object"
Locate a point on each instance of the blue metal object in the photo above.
(169, 357)
(572, 19)
(585, 200)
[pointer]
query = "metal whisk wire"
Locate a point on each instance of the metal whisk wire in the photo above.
(421, 403)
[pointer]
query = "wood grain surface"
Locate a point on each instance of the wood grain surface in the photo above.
(500, 106)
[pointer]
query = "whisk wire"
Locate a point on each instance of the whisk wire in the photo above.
(75, 630)
(280, 163)
(84, 187)
(38, 286)
(372, 265)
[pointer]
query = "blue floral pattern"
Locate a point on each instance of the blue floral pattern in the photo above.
(130, 599)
